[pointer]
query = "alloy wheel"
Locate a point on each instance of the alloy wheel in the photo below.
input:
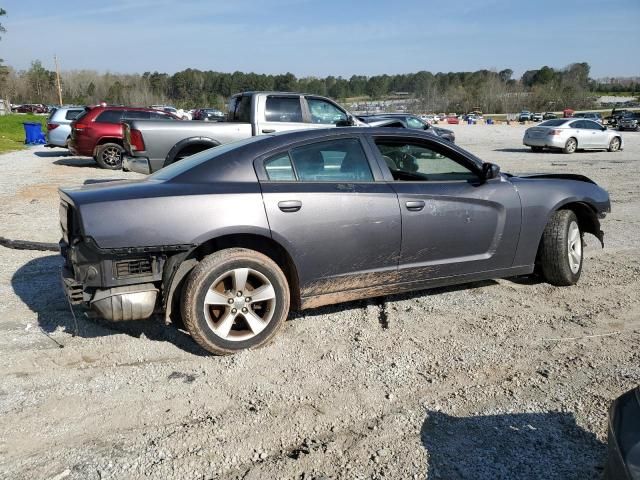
(574, 252)
(112, 156)
(239, 304)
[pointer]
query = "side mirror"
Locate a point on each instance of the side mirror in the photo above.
(349, 122)
(604, 127)
(489, 171)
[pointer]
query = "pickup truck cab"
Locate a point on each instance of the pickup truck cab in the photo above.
(151, 145)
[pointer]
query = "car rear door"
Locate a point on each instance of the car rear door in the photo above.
(324, 205)
(278, 113)
(452, 222)
(582, 134)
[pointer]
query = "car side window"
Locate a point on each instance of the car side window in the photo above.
(110, 116)
(410, 161)
(415, 123)
(137, 115)
(578, 124)
(283, 109)
(591, 125)
(72, 114)
(160, 116)
(325, 112)
(279, 168)
(340, 160)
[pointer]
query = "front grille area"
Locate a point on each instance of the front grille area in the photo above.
(132, 268)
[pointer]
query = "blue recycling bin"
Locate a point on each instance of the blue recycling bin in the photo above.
(33, 133)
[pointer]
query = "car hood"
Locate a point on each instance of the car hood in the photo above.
(559, 176)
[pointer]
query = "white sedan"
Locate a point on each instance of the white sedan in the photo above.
(571, 134)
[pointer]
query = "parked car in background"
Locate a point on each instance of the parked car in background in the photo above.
(153, 146)
(524, 116)
(208, 115)
(31, 108)
(571, 134)
(408, 121)
(549, 116)
(595, 116)
(536, 117)
(97, 132)
(629, 121)
(453, 120)
(59, 125)
(177, 112)
(234, 236)
(616, 114)
(623, 462)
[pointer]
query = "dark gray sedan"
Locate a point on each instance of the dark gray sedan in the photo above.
(232, 237)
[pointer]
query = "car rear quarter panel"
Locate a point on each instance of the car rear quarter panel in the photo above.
(540, 198)
(169, 214)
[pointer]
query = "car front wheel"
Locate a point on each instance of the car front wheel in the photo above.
(235, 299)
(109, 156)
(560, 253)
(614, 144)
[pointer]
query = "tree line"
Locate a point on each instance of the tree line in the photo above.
(545, 88)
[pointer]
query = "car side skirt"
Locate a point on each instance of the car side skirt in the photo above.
(314, 301)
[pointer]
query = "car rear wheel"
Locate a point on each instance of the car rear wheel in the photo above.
(235, 299)
(570, 146)
(560, 253)
(614, 144)
(109, 156)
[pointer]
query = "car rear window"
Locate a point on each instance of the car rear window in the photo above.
(110, 116)
(176, 169)
(240, 109)
(83, 114)
(553, 123)
(72, 114)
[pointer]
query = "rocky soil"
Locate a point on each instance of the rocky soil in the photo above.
(498, 379)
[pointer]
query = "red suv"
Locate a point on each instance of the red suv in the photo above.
(97, 132)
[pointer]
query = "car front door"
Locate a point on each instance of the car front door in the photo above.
(279, 113)
(453, 223)
(341, 226)
(599, 138)
(582, 134)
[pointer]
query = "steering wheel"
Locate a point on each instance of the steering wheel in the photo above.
(405, 161)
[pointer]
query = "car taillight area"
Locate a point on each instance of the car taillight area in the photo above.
(52, 126)
(136, 141)
(554, 132)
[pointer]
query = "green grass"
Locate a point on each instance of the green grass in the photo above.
(12, 130)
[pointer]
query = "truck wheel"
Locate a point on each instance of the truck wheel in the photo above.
(560, 253)
(109, 156)
(570, 146)
(235, 299)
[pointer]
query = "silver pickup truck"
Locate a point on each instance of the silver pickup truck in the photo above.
(151, 145)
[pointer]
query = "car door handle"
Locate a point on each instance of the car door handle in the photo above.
(415, 205)
(290, 205)
(268, 130)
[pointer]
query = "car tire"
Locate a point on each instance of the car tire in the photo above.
(614, 144)
(561, 253)
(536, 149)
(109, 156)
(217, 305)
(571, 146)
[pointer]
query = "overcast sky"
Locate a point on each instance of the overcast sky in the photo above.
(326, 37)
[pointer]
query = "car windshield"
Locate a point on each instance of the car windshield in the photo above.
(178, 168)
(554, 123)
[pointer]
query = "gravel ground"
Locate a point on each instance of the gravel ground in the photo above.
(497, 379)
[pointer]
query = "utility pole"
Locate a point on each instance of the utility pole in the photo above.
(55, 59)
